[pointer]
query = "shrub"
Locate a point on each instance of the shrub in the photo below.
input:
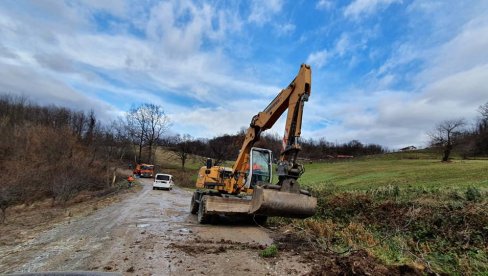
(269, 251)
(473, 194)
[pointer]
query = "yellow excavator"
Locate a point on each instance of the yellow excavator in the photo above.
(246, 189)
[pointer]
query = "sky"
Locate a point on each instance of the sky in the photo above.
(383, 71)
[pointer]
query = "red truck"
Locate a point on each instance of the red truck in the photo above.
(144, 170)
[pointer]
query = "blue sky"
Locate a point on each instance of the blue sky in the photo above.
(384, 71)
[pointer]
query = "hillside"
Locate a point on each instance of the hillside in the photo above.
(402, 210)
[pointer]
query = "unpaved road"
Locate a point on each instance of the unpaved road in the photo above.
(149, 233)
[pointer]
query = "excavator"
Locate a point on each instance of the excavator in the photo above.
(246, 189)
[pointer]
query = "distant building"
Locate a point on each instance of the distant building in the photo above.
(409, 148)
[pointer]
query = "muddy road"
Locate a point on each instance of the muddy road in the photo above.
(149, 233)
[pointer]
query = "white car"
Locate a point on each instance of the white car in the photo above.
(163, 181)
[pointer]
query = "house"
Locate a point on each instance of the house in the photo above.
(409, 148)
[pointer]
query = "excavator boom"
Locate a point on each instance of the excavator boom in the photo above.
(252, 171)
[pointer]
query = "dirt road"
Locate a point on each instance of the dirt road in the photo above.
(149, 233)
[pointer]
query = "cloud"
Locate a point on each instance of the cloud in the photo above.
(7, 53)
(285, 29)
(343, 45)
(444, 77)
(464, 51)
(46, 91)
(263, 11)
(318, 59)
(171, 64)
(366, 7)
(324, 5)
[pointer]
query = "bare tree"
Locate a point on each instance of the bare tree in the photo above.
(146, 123)
(183, 147)
(445, 134)
(225, 147)
(137, 125)
(121, 134)
(483, 110)
(158, 123)
(481, 132)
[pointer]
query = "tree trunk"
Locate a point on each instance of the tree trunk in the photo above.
(447, 152)
(183, 160)
(150, 153)
(140, 154)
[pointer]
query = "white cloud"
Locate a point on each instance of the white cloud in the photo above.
(318, 59)
(47, 91)
(115, 7)
(343, 45)
(262, 11)
(285, 29)
(464, 51)
(324, 5)
(366, 7)
(170, 58)
(446, 75)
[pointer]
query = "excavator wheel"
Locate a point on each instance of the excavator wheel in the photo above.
(259, 220)
(203, 217)
(194, 205)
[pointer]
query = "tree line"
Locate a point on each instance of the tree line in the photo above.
(227, 146)
(55, 152)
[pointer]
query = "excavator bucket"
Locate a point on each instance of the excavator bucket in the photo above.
(270, 202)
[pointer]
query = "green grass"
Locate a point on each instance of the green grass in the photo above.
(414, 209)
(269, 251)
(373, 173)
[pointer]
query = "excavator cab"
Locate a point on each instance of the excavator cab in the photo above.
(260, 167)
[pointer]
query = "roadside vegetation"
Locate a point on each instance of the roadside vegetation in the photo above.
(419, 212)
(54, 153)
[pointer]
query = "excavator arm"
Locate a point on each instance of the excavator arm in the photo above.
(292, 99)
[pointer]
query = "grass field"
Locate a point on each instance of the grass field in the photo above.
(374, 173)
(403, 209)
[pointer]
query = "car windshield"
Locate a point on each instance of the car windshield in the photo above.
(147, 167)
(162, 177)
